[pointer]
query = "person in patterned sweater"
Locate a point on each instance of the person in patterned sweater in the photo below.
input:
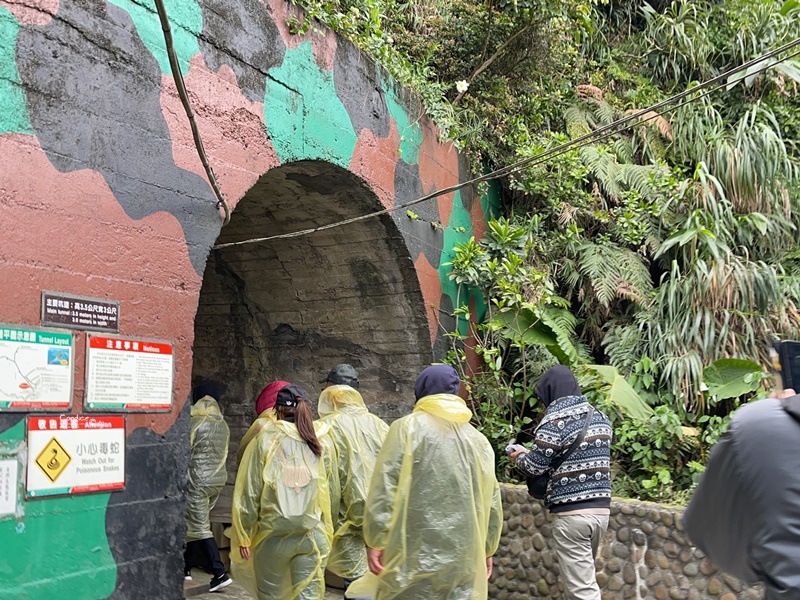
(579, 491)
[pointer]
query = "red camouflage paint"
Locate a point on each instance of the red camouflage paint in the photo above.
(77, 239)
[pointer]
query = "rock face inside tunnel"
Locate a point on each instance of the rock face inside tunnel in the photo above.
(292, 308)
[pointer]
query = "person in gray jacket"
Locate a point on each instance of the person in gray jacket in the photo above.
(745, 513)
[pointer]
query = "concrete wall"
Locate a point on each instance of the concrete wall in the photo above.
(644, 554)
(102, 195)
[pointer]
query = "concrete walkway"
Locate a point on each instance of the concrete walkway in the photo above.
(196, 590)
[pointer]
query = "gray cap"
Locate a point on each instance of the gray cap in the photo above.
(343, 374)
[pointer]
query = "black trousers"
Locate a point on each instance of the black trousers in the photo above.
(204, 554)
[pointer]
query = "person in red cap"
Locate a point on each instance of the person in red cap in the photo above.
(265, 409)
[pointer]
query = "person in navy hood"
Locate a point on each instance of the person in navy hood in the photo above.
(578, 492)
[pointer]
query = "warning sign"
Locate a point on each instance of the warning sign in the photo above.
(128, 374)
(75, 454)
(53, 459)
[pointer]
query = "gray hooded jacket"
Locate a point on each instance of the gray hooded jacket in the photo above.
(745, 513)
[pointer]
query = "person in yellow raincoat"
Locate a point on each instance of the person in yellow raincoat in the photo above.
(265, 409)
(285, 494)
(358, 436)
(208, 438)
(434, 515)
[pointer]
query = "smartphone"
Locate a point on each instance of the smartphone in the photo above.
(788, 363)
(511, 448)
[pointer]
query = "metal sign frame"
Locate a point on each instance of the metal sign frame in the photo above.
(115, 408)
(97, 302)
(23, 406)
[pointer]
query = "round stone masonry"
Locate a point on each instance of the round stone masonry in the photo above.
(644, 554)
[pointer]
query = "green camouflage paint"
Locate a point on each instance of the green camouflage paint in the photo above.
(60, 548)
(186, 23)
(14, 115)
(411, 134)
(298, 133)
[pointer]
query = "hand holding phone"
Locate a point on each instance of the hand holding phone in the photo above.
(785, 357)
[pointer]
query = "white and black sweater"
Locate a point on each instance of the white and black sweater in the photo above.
(583, 480)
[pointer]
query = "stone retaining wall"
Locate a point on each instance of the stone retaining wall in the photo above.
(645, 554)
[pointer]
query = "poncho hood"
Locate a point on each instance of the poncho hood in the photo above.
(445, 406)
(206, 407)
(336, 397)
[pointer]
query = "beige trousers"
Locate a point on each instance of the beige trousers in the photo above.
(577, 539)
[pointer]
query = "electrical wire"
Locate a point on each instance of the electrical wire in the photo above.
(180, 84)
(641, 116)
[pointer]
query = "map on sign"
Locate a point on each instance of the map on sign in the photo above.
(35, 368)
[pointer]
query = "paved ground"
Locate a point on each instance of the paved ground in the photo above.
(234, 591)
(197, 588)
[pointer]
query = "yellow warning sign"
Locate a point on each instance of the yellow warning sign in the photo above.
(53, 459)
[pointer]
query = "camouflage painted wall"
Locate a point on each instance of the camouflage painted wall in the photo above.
(102, 194)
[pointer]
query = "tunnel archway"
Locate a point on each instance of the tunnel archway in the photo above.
(292, 308)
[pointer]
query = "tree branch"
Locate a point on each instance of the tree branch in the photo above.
(488, 62)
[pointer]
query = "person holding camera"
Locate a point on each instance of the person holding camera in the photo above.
(745, 513)
(569, 463)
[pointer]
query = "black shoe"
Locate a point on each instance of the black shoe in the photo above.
(187, 574)
(220, 582)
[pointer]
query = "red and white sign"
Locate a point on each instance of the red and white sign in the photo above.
(75, 454)
(128, 374)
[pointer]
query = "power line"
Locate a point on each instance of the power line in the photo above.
(641, 116)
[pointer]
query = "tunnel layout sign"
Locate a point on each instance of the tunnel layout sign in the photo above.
(128, 374)
(36, 367)
(75, 454)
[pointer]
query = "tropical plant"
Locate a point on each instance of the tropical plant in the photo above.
(661, 250)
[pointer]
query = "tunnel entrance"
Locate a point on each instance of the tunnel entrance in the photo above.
(293, 308)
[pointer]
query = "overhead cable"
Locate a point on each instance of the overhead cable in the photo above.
(641, 116)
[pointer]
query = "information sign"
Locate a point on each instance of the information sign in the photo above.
(78, 312)
(75, 454)
(8, 486)
(36, 367)
(128, 374)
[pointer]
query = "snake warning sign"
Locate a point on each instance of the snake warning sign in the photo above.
(53, 459)
(75, 454)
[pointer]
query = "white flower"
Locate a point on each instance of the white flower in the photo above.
(461, 86)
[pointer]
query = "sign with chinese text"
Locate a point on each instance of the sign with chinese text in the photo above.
(77, 312)
(8, 486)
(36, 368)
(75, 454)
(128, 374)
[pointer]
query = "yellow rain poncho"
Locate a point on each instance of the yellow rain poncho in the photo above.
(265, 419)
(358, 436)
(282, 504)
(208, 438)
(434, 506)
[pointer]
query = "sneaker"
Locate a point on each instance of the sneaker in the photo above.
(187, 575)
(220, 582)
